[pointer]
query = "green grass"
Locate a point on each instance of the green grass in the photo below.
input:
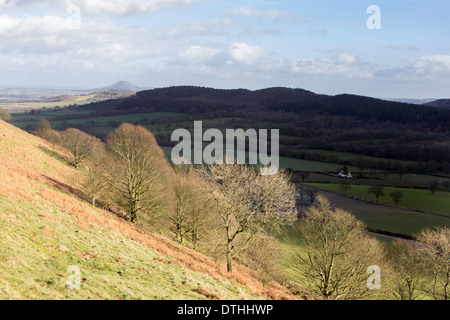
(346, 156)
(415, 199)
(20, 120)
(39, 243)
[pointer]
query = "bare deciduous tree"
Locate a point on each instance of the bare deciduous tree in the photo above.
(335, 253)
(45, 131)
(97, 178)
(396, 196)
(248, 203)
(434, 256)
(432, 185)
(304, 175)
(377, 190)
(361, 164)
(141, 173)
(408, 277)
(79, 143)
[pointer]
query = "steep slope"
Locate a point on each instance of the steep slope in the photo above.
(45, 228)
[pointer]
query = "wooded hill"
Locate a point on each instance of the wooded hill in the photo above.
(306, 120)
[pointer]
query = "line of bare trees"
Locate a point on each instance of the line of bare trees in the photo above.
(221, 209)
(128, 170)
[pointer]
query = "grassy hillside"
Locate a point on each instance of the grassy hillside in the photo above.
(45, 228)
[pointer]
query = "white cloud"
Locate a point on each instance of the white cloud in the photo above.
(94, 7)
(202, 28)
(246, 54)
(4, 4)
(432, 65)
(125, 7)
(219, 56)
(345, 58)
(18, 62)
(344, 66)
(268, 14)
(197, 55)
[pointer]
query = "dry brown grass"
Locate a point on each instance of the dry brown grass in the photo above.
(28, 172)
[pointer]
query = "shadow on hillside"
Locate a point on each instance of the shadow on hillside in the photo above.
(63, 187)
(54, 155)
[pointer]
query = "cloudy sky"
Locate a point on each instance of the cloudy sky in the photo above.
(324, 45)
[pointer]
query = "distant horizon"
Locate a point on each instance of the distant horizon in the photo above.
(177, 85)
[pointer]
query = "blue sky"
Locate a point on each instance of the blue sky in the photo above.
(323, 45)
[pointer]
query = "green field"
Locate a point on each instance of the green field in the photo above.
(346, 156)
(415, 199)
(21, 120)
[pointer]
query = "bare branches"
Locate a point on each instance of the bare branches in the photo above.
(140, 171)
(248, 203)
(335, 252)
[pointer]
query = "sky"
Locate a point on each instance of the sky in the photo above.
(401, 50)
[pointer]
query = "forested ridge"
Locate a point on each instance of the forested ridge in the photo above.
(344, 122)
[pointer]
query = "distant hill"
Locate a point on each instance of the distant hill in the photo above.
(441, 103)
(201, 100)
(414, 101)
(121, 85)
(306, 120)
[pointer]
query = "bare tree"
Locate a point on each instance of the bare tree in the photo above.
(98, 164)
(185, 204)
(43, 127)
(335, 253)
(434, 256)
(45, 131)
(304, 175)
(432, 185)
(193, 212)
(396, 196)
(361, 164)
(377, 190)
(248, 203)
(79, 143)
(408, 278)
(141, 173)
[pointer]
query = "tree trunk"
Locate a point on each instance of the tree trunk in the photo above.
(133, 216)
(229, 258)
